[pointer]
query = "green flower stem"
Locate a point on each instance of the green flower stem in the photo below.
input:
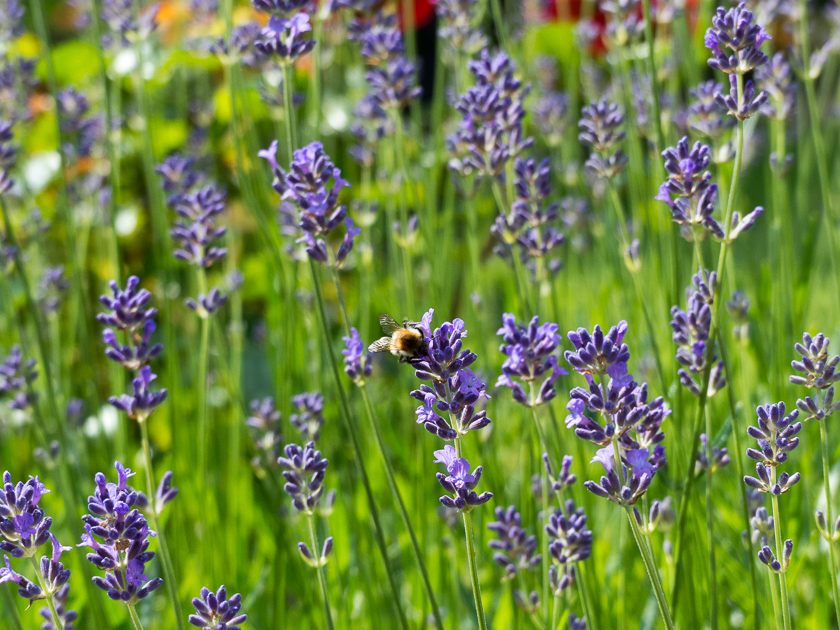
(652, 571)
(710, 524)
(406, 519)
(476, 586)
(647, 558)
(777, 530)
(555, 617)
(832, 565)
(322, 580)
(135, 618)
(47, 595)
(11, 608)
(545, 500)
(774, 596)
(353, 435)
(618, 207)
(166, 557)
(201, 386)
(521, 278)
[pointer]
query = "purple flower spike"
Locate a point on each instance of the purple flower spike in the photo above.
(460, 483)
(735, 41)
(266, 432)
(118, 536)
(596, 353)
(775, 434)
(515, 549)
(601, 128)
(283, 38)
(530, 357)
(357, 363)
(8, 156)
(304, 472)
(309, 417)
(705, 115)
(818, 370)
(23, 525)
(144, 401)
(16, 377)
(216, 612)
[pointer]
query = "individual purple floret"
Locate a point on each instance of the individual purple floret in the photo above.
(144, 401)
(454, 390)
(601, 128)
(767, 556)
(570, 542)
(283, 39)
(817, 369)
(460, 483)
(598, 354)
(515, 549)
(565, 479)
(164, 495)
(128, 308)
(309, 416)
(216, 612)
(720, 457)
(735, 41)
(196, 230)
(775, 434)
(16, 378)
(357, 363)
(304, 472)
(23, 525)
(65, 616)
(26, 589)
(124, 534)
(530, 357)
(207, 305)
(741, 106)
(576, 624)
(266, 432)
(705, 115)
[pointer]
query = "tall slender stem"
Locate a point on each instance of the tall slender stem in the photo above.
(322, 580)
(652, 571)
(406, 519)
(777, 530)
(49, 597)
(710, 524)
(135, 618)
(476, 587)
(203, 359)
(168, 567)
(832, 566)
(353, 434)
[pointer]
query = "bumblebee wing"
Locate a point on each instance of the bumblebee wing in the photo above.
(389, 324)
(383, 344)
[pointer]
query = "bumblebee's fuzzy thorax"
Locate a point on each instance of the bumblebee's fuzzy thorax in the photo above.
(407, 342)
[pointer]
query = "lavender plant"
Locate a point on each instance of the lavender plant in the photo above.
(118, 538)
(630, 433)
(818, 371)
(775, 434)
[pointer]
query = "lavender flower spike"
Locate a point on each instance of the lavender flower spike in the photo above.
(734, 30)
(515, 549)
(23, 525)
(357, 363)
(144, 401)
(304, 472)
(530, 356)
(460, 483)
(215, 611)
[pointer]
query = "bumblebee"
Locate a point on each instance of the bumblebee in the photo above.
(406, 342)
